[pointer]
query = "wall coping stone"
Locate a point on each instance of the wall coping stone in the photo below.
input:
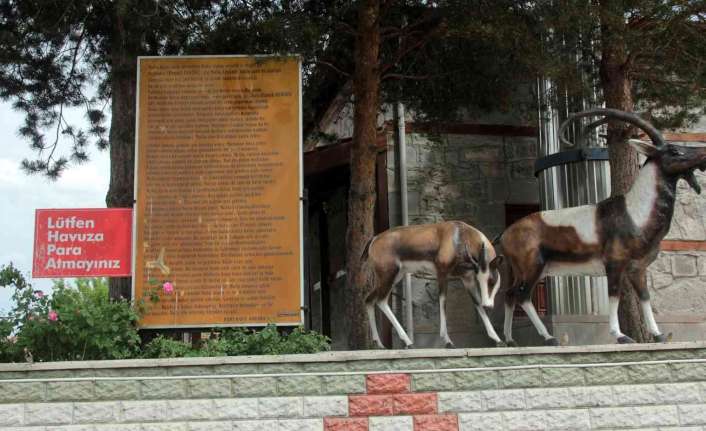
(348, 356)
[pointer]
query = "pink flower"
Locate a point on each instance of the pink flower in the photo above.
(39, 294)
(168, 287)
(53, 316)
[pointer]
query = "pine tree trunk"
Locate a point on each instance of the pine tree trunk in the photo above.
(361, 197)
(124, 46)
(624, 162)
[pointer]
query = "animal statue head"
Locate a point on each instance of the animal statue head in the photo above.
(486, 273)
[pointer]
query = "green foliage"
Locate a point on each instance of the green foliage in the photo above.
(79, 322)
(237, 342)
(76, 323)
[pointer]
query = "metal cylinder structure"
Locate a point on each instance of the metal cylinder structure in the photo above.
(570, 177)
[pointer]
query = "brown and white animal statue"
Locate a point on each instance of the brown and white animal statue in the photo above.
(618, 237)
(451, 249)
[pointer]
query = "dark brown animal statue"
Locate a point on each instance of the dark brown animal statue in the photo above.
(445, 250)
(618, 237)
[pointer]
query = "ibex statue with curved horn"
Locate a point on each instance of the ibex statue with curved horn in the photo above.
(618, 237)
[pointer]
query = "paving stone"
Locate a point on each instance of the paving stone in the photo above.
(190, 410)
(209, 388)
(22, 391)
(300, 425)
(369, 365)
(694, 414)
(689, 372)
(565, 376)
(503, 361)
(679, 393)
(256, 425)
(481, 422)
(48, 414)
(280, 407)
(98, 412)
(370, 405)
(346, 424)
(316, 407)
(163, 389)
(476, 379)
(254, 386)
(235, 369)
(525, 421)
(460, 402)
(415, 404)
(117, 389)
(413, 364)
(387, 383)
(210, 426)
(436, 423)
(343, 385)
(11, 414)
(630, 395)
(70, 391)
(392, 423)
(520, 378)
(282, 368)
(649, 373)
(200, 370)
(606, 375)
(616, 417)
(236, 408)
(299, 385)
(570, 419)
(459, 362)
(507, 399)
(143, 411)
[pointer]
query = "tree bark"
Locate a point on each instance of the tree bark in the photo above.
(624, 161)
(124, 45)
(361, 196)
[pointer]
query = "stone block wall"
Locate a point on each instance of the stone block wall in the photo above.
(582, 388)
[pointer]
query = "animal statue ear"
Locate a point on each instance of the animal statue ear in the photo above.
(691, 179)
(495, 263)
(483, 256)
(643, 147)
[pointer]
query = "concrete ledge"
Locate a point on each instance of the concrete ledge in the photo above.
(353, 356)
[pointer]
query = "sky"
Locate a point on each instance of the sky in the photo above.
(82, 186)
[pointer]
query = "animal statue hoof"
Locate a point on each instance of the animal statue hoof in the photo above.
(511, 343)
(661, 338)
(380, 347)
(450, 345)
(551, 342)
(500, 344)
(625, 340)
(409, 346)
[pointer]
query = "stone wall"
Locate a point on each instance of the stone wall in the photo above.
(582, 388)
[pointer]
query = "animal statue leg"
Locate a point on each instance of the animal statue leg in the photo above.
(370, 308)
(489, 326)
(614, 273)
(385, 307)
(443, 330)
(538, 324)
(507, 327)
(639, 281)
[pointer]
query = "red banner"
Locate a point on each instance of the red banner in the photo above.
(82, 243)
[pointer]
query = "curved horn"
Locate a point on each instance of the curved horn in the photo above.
(627, 117)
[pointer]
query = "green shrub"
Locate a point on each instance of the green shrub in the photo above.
(238, 342)
(76, 323)
(79, 322)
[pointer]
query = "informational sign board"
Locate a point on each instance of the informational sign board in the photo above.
(82, 243)
(218, 189)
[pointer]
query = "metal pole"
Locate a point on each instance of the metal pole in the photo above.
(402, 172)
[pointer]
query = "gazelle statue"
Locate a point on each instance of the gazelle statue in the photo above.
(451, 249)
(617, 237)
